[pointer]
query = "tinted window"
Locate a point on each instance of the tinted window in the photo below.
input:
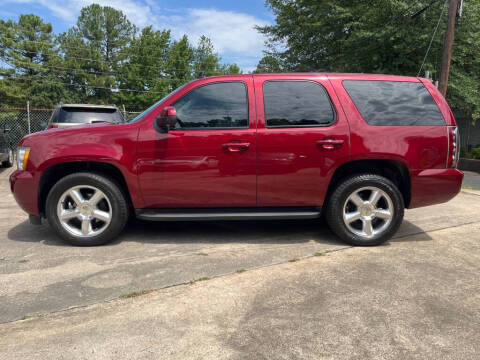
(87, 115)
(296, 103)
(218, 105)
(394, 103)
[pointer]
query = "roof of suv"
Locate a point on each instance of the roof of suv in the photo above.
(357, 76)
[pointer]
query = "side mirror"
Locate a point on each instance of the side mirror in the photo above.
(6, 128)
(166, 120)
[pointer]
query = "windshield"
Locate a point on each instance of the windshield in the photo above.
(146, 112)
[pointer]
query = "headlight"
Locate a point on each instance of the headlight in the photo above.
(23, 153)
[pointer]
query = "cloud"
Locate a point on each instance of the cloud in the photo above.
(232, 33)
(138, 13)
(228, 30)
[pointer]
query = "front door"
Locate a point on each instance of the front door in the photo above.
(209, 158)
(303, 136)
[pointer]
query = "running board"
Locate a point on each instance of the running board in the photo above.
(227, 214)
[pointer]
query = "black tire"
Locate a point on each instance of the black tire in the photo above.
(336, 202)
(8, 163)
(109, 187)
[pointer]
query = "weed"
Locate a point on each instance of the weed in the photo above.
(135, 294)
(205, 278)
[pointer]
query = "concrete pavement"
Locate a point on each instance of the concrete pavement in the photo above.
(472, 180)
(40, 274)
(416, 298)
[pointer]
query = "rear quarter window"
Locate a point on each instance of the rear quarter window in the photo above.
(394, 102)
(87, 115)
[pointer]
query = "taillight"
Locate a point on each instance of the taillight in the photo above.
(453, 147)
(52, 127)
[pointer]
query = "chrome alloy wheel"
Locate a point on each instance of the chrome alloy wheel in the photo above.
(84, 211)
(368, 212)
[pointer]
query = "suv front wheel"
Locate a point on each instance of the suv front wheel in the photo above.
(365, 210)
(86, 209)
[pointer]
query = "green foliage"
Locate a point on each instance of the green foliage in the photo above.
(104, 58)
(376, 36)
(26, 47)
(476, 153)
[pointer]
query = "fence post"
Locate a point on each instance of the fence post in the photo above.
(124, 112)
(28, 115)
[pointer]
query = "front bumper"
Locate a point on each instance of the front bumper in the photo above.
(24, 187)
(434, 186)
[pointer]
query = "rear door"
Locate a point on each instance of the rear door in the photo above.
(302, 137)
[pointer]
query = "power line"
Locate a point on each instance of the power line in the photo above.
(85, 86)
(29, 77)
(64, 46)
(433, 36)
(18, 51)
(78, 71)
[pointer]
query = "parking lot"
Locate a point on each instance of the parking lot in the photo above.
(418, 295)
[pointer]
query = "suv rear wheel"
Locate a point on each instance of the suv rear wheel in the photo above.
(365, 210)
(86, 209)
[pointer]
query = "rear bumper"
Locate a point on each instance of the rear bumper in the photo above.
(24, 189)
(434, 186)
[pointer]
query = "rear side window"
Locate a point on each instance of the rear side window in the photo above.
(87, 115)
(296, 104)
(217, 105)
(394, 103)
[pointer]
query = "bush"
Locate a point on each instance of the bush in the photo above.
(476, 152)
(463, 152)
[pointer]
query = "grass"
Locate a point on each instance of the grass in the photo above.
(294, 260)
(239, 271)
(319, 254)
(205, 278)
(135, 294)
(468, 187)
(32, 316)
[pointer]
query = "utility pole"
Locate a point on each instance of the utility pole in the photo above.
(447, 46)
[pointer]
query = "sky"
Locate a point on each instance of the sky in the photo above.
(228, 23)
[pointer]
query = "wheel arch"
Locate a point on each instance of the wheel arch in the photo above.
(395, 171)
(52, 174)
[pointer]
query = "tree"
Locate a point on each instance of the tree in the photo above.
(27, 47)
(206, 60)
(180, 60)
(145, 70)
(378, 36)
(102, 59)
(97, 47)
(231, 69)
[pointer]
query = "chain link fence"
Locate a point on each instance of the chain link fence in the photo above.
(24, 121)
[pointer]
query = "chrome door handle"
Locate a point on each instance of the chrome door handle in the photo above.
(236, 146)
(330, 144)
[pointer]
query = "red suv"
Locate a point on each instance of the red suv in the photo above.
(359, 148)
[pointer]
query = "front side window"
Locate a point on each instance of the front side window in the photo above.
(213, 106)
(394, 102)
(296, 104)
